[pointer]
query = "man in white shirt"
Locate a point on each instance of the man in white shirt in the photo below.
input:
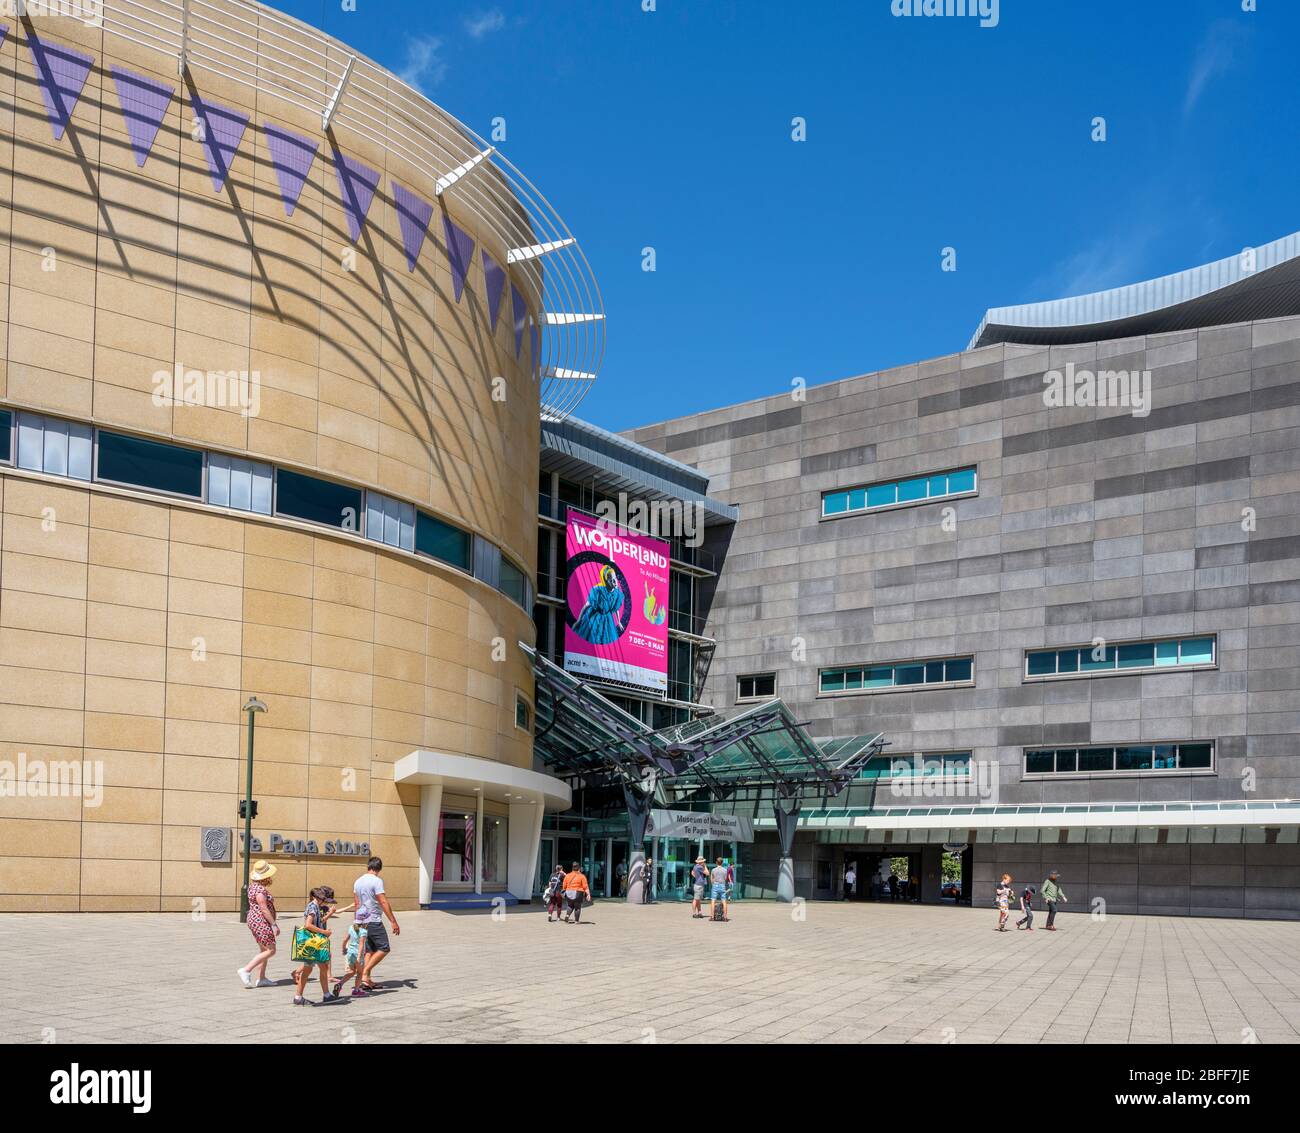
(850, 883)
(372, 907)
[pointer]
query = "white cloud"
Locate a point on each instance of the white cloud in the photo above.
(1215, 56)
(485, 23)
(424, 66)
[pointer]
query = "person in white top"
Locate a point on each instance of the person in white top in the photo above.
(372, 907)
(850, 883)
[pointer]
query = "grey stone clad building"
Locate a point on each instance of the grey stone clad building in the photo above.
(1077, 625)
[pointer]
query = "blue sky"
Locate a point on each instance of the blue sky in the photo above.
(821, 259)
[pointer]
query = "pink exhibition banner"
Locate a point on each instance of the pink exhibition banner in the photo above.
(616, 617)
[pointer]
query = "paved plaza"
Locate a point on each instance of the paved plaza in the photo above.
(860, 973)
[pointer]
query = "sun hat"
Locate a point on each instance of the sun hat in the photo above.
(262, 869)
(699, 861)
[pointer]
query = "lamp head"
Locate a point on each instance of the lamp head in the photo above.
(253, 705)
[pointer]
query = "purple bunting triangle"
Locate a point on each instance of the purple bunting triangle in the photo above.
(223, 130)
(494, 276)
(144, 104)
(460, 250)
(357, 184)
(291, 157)
(521, 317)
(4, 31)
(413, 216)
(61, 74)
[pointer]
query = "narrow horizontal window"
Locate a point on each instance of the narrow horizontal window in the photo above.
(1124, 656)
(236, 483)
(1125, 759)
(441, 541)
(150, 464)
(317, 501)
(902, 675)
(913, 490)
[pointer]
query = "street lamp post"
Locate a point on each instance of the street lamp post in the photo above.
(252, 706)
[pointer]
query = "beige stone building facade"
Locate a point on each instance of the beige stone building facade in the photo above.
(136, 619)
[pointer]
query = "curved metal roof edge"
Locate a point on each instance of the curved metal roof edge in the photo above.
(1145, 297)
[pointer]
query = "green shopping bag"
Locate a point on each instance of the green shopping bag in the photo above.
(310, 947)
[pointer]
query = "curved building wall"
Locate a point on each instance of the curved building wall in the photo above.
(132, 626)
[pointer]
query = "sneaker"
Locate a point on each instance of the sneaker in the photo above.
(329, 997)
(359, 993)
(264, 982)
(244, 977)
(299, 1001)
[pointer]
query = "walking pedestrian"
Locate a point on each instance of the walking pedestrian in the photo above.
(1053, 895)
(311, 945)
(576, 891)
(850, 883)
(261, 923)
(1027, 908)
(372, 907)
(1002, 898)
(555, 894)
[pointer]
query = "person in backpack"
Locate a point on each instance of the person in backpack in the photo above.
(718, 879)
(554, 894)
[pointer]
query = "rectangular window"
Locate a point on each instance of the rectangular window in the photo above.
(905, 674)
(6, 431)
(441, 541)
(48, 444)
(453, 858)
(756, 686)
(914, 490)
(390, 521)
(150, 464)
(1124, 656)
(513, 583)
(1128, 758)
(317, 501)
(496, 842)
(237, 483)
(523, 713)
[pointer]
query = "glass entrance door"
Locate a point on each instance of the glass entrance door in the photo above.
(596, 866)
(545, 864)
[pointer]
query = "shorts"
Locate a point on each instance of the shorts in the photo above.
(377, 937)
(719, 893)
(699, 892)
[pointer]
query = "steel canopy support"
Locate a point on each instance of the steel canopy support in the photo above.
(787, 821)
(331, 107)
(447, 180)
(638, 817)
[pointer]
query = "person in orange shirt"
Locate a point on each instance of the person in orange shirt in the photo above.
(576, 891)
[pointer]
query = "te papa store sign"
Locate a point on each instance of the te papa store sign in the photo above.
(215, 844)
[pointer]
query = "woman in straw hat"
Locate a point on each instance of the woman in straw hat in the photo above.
(261, 923)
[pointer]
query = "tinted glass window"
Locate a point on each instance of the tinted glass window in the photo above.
(1194, 755)
(909, 674)
(441, 541)
(150, 464)
(1041, 664)
(958, 669)
(1197, 651)
(1097, 759)
(320, 501)
(6, 431)
(1040, 762)
(962, 481)
(882, 494)
(512, 582)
